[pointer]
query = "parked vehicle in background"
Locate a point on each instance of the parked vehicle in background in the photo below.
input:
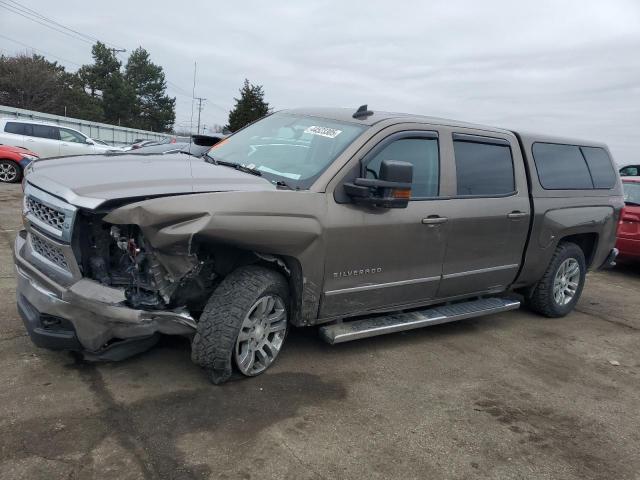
(199, 145)
(629, 227)
(630, 171)
(47, 139)
(365, 223)
(101, 142)
(13, 161)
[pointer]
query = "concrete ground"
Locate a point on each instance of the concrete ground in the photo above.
(508, 396)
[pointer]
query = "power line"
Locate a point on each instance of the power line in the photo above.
(37, 17)
(10, 8)
(38, 50)
(30, 11)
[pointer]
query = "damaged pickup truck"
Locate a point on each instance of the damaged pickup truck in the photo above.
(364, 223)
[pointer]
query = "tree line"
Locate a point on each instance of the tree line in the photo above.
(131, 95)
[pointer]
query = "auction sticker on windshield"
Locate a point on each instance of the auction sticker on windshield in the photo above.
(323, 131)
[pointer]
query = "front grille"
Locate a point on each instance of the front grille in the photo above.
(46, 214)
(49, 251)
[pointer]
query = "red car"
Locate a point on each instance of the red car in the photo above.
(13, 161)
(629, 226)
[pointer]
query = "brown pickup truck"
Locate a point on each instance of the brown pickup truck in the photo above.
(363, 222)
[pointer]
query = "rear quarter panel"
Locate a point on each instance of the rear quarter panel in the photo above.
(562, 213)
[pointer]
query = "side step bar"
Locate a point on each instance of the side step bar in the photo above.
(398, 322)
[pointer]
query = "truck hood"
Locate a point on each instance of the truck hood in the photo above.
(91, 180)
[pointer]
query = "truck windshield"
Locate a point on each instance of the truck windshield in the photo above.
(289, 148)
(631, 193)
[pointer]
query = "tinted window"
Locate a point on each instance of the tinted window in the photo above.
(15, 127)
(422, 153)
(631, 171)
(45, 131)
(600, 167)
(561, 167)
(483, 168)
(71, 136)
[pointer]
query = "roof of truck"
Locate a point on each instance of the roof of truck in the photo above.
(346, 115)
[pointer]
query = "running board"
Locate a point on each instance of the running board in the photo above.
(398, 322)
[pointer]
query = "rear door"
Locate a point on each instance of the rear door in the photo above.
(13, 134)
(488, 216)
(42, 139)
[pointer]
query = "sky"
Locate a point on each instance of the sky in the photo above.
(561, 67)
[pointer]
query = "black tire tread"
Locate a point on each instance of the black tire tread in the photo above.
(213, 344)
(541, 299)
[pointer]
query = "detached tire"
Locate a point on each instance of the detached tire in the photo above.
(243, 325)
(10, 172)
(561, 286)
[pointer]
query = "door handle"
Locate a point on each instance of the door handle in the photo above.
(517, 214)
(434, 220)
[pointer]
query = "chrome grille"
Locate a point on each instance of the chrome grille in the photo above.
(49, 251)
(46, 214)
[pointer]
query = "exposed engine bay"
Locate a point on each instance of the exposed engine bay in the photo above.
(120, 257)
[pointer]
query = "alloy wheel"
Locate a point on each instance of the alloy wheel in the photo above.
(566, 281)
(261, 335)
(8, 172)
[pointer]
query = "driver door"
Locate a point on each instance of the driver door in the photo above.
(72, 143)
(378, 258)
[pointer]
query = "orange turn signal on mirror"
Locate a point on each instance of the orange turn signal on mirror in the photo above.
(404, 193)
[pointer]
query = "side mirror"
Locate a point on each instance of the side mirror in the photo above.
(89, 141)
(391, 190)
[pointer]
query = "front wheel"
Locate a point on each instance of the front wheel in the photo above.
(561, 286)
(243, 325)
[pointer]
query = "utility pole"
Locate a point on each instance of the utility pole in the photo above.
(200, 100)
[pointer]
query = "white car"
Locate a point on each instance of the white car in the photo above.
(49, 140)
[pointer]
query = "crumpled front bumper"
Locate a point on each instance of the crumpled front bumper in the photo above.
(88, 316)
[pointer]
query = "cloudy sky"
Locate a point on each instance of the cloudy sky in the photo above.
(553, 66)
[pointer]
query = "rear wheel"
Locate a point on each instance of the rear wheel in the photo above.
(561, 286)
(243, 325)
(10, 172)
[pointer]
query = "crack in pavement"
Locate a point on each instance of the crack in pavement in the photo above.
(608, 320)
(117, 417)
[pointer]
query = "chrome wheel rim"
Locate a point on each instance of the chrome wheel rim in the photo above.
(261, 335)
(566, 281)
(8, 172)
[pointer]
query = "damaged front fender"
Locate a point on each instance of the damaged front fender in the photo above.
(277, 224)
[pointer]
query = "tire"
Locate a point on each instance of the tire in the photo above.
(235, 307)
(548, 300)
(10, 171)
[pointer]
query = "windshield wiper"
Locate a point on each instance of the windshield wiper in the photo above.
(187, 152)
(238, 167)
(285, 185)
(209, 159)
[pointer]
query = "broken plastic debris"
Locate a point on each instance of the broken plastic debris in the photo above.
(614, 363)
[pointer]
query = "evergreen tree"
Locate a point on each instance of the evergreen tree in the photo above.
(31, 82)
(152, 108)
(97, 77)
(249, 107)
(97, 92)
